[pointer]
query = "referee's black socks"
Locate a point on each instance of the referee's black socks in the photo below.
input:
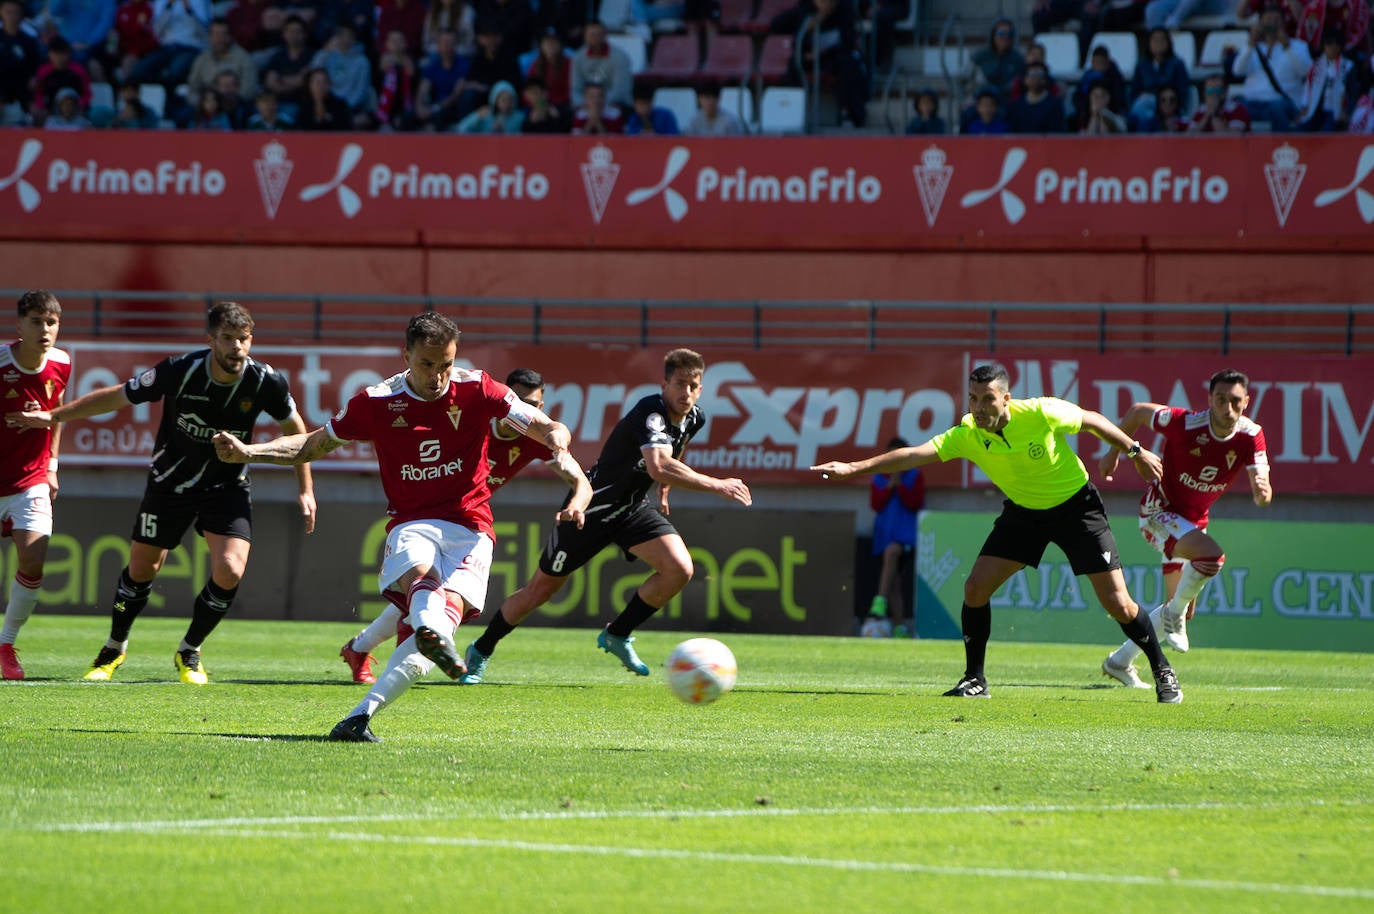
(1142, 634)
(977, 624)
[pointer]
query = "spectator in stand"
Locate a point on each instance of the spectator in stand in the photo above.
(442, 82)
(567, 17)
(404, 16)
(85, 24)
(1290, 10)
(268, 114)
(493, 64)
(396, 84)
(1101, 68)
(1362, 117)
(646, 119)
(598, 62)
(514, 19)
(237, 108)
(1037, 111)
(357, 13)
(1167, 116)
(828, 27)
(286, 70)
(1035, 54)
(60, 72)
(897, 499)
(541, 116)
(245, 20)
(597, 116)
(1351, 17)
(987, 116)
(1324, 105)
(451, 14)
(322, 109)
(132, 113)
(350, 73)
(1169, 14)
(1098, 119)
(553, 68)
(501, 114)
(1046, 15)
(927, 121)
(182, 29)
(884, 16)
(21, 54)
(997, 65)
(68, 112)
(1159, 68)
(131, 40)
(221, 53)
(1216, 113)
(210, 113)
(1274, 68)
(711, 119)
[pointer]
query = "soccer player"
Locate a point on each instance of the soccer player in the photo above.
(644, 447)
(508, 452)
(33, 375)
(429, 426)
(201, 392)
(1204, 452)
(1021, 446)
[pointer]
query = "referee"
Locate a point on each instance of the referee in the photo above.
(1021, 446)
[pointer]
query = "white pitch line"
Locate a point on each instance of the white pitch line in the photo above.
(654, 853)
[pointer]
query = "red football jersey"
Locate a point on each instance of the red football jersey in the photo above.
(24, 453)
(507, 456)
(432, 454)
(1198, 466)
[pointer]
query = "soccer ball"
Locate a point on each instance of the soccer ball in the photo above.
(700, 670)
(875, 627)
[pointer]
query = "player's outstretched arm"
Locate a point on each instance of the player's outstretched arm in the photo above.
(902, 458)
(1147, 463)
(305, 483)
(665, 469)
(288, 450)
(95, 403)
(1136, 418)
(1260, 489)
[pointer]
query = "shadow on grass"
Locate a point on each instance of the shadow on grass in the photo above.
(246, 737)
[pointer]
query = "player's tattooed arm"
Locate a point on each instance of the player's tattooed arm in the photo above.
(287, 450)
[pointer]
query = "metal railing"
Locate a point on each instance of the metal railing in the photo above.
(855, 325)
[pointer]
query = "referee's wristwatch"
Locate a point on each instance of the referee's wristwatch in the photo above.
(1133, 451)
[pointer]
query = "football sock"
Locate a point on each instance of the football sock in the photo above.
(130, 598)
(1196, 574)
(23, 598)
(497, 629)
(977, 625)
(635, 614)
(211, 604)
(405, 666)
(428, 604)
(382, 628)
(1142, 634)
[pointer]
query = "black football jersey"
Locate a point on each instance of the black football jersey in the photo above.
(194, 408)
(619, 480)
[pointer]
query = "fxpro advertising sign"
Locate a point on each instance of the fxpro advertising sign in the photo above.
(1290, 586)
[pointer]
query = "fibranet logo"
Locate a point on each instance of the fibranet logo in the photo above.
(816, 185)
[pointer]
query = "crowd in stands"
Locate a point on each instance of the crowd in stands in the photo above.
(466, 66)
(1304, 65)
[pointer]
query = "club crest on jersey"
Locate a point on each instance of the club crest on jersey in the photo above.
(245, 405)
(454, 415)
(1037, 451)
(49, 386)
(655, 423)
(1230, 459)
(514, 454)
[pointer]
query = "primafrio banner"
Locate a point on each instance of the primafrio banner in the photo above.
(773, 414)
(840, 192)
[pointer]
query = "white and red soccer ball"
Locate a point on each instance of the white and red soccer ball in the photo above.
(700, 670)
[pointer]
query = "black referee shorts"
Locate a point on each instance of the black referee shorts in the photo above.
(1078, 526)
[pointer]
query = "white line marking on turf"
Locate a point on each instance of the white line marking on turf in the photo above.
(653, 853)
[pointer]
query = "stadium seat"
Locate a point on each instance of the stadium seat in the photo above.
(739, 102)
(102, 94)
(679, 100)
(735, 15)
(768, 10)
(729, 59)
(782, 110)
(1210, 58)
(615, 14)
(1124, 48)
(675, 58)
(154, 98)
(774, 59)
(1061, 55)
(633, 46)
(1185, 46)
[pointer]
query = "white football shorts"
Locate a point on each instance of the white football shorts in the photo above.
(29, 510)
(1163, 529)
(460, 557)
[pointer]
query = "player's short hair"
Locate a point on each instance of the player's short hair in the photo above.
(525, 377)
(1229, 376)
(228, 315)
(39, 301)
(987, 374)
(683, 358)
(430, 328)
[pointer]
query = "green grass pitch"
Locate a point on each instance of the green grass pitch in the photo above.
(835, 778)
